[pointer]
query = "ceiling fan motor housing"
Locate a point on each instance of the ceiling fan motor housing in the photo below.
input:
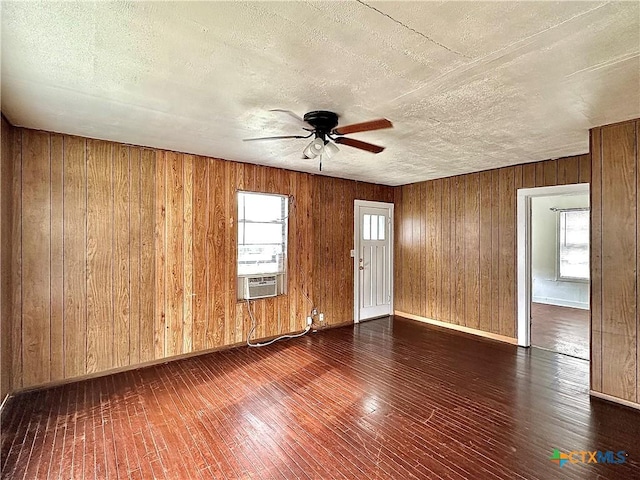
(322, 120)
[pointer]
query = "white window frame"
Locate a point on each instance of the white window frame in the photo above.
(285, 234)
(559, 276)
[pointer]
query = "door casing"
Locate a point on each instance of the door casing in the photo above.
(524, 281)
(356, 251)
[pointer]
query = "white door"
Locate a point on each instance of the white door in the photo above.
(373, 265)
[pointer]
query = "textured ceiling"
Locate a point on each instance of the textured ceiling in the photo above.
(468, 86)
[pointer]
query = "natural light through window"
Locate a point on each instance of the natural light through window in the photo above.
(573, 244)
(373, 227)
(262, 233)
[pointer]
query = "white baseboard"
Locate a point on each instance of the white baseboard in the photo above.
(560, 302)
(459, 328)
(613, 399)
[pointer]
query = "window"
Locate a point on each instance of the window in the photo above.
(573, 244)
(373, 227)
(262, 233)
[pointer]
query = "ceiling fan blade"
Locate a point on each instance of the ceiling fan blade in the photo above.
(363, 127)
(352, 142)
(290, 113)
(274, 138)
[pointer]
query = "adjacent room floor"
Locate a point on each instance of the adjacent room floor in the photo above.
(390, 398)
(560, 329)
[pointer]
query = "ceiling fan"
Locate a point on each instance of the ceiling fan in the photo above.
(323, 127)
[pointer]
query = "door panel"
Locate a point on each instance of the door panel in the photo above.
(373, 246)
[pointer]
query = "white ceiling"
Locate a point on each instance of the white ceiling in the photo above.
(468, 86)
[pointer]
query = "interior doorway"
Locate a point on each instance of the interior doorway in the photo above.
(553, 269)
(373, 265)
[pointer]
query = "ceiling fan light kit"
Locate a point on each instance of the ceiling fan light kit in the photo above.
(330, 149)
(314, 149)
(323, 126)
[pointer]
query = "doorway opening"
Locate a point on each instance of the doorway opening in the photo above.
(553, 269)
(373, 262)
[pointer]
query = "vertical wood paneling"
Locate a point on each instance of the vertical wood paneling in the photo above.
(293, 270)
(474, 255)
(160, 323)
(7, 202)
(174, 290)
(57, 261)
(132, 254)
(341, 254)
(121, 257)
(596, 260)
(305, 253)
(100, 257)
(458, 300)
(619, 243)
(218, 296)
(414, 234)
(17, 371)
(239, 328)
(546, 173)
(149, 316)
(425, 291)
(637, 158)
(507, 258)
(584, 167)
(201, 234)
(569, 171)
(445, 301)
(187, 180)
(230, 286)
(75, 256)
(135, 255)
(437, 247)
(397, 249)
(529, 175)
(485, 249)
(472, 251)
(495, 251)
(36, 254)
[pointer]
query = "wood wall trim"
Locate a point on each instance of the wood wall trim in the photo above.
(614, 399)
(459, 328)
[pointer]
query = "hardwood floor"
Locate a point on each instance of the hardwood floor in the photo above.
(560, 329)
(390, 398)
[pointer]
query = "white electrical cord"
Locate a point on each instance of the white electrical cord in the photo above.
(253, 327)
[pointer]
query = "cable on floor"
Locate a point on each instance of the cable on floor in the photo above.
(253, 327)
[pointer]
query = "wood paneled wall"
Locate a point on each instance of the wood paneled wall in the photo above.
(333, 225)
(615, 261)
(455, 249)
(7, 152)
(127, 254)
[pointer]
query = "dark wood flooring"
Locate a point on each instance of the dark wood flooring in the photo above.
(560, 329)
(389, 398)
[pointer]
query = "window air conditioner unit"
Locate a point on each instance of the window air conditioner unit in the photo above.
(259, 287)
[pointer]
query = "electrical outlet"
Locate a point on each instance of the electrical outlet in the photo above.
(322, 317)
(309, 320)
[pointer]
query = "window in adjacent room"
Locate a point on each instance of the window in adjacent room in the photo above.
(573, 244)
(262, 233)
